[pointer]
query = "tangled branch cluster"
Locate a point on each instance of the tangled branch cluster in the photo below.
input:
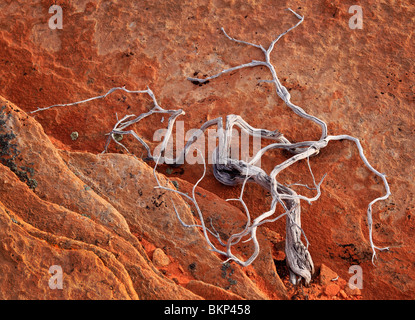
(231, 171)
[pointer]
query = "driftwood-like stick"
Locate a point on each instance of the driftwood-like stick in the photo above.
(232, 172)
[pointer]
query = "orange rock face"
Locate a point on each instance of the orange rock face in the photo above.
(99, 217)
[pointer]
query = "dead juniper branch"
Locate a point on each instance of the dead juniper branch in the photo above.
(231, 171)
(298, 258)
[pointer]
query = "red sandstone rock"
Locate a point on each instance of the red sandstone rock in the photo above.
(332, 289)
(358, 81)
(128, 184)
(343, 294)
(210, 292)
(160, 259)
(352, 291)
(326, 275)
(100, 260)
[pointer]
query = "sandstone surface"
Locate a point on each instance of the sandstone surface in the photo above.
(97, 215)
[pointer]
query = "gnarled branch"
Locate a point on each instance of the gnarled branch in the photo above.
(231, 171)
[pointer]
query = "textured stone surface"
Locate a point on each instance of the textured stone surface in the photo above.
(326, 275)
(160, 259)
(125, 185)
(332, 290)
(211, 292)
(99, 259)
(359, 81)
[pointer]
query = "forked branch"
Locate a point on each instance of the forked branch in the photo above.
(231, 171)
